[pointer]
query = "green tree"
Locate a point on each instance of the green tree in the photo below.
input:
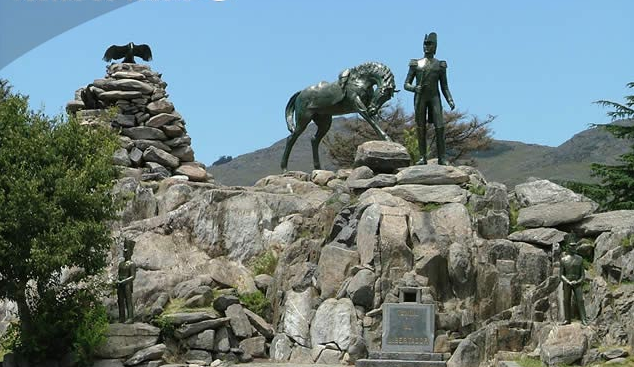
(617, 181)
(463, 134)
(55, 208)
(616, 188)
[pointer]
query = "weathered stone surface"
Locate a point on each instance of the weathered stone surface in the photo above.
(301, 355)
(360, 173)
(280, 348)
(538, 236)
(127, 85)
(239, 322)
(160, 120)
(121, 158)
(223, 301)
(172, 131)
(260, 324)
(461, 269)
(321, 177)
(188, 330)
(136, 157)
(160, 106)
(184, 153)
(382, 156)
(116, 95)
(198, 355)
(152, 154)
(550, 215)
(263, 281)
(194, 173)
(334, 264)
(380, 180)
(545, 192)
(223, 340)
(495, 224)
(361, 288)
(532, 264)
(254, 346)
(335, 322)
(123, 340)
(128, 75)
(144, 133)
(564, 344)
(297, 316)
(147, 354)
(179, 141)
(180, 318)
(329, 356)
(204, 340)
(429, 194)
(232, 274)
(143, 144)
(604, 222)
(431, 175)
(106, 363)
(367, 230)
(174, 197)
(125, 120)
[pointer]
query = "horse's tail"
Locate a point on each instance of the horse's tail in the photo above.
(290, 109)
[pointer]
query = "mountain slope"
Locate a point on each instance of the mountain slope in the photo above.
(509, 162)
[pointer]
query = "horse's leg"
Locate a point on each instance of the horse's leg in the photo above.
(363, 111)
(301, 121)
(323, 125)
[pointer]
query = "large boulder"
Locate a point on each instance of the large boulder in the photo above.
(335, 322)
(431, 174)
(382, 156)
(123, 340)
(565, 344)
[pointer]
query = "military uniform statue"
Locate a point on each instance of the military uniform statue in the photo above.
(572, 275)
(126, 275)
(428, 72)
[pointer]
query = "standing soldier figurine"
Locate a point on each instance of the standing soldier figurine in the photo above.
(428, 72)
(126, 275)
(572, 275)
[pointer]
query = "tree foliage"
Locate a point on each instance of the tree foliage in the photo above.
(463, 134)
(618, 180)
(55, 204)
(222, 160)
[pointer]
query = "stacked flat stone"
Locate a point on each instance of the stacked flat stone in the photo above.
(154, 141)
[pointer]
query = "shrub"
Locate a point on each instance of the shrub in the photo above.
(256, 302)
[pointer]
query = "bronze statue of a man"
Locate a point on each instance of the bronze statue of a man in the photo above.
(126, 275)
(429, 72)
(572, 275)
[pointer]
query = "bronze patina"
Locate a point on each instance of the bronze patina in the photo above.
(572, 276)
(363, 89)
(126, 274)
(428, 73)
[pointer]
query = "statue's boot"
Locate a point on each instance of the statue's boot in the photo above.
(422, 142)
(440, 145)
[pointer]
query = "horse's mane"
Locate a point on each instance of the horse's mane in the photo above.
(375, 68)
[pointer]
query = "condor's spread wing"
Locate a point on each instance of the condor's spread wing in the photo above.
(115, 52)
(143, 51)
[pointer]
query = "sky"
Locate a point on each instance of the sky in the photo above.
(232, 65)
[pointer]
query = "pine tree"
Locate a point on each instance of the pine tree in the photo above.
(617, 181)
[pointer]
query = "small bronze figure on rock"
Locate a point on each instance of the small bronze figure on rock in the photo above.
(572, 276)
(126, 275)
(128, 52)
(429, 72)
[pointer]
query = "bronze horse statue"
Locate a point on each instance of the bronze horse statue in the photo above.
(363, 89)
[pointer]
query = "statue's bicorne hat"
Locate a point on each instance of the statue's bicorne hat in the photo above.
(431, 38)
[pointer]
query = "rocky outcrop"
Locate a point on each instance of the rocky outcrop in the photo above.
(154, 140)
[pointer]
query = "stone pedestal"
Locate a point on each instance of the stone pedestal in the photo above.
(408, 334)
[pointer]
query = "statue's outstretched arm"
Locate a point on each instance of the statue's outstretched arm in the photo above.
(444, 86)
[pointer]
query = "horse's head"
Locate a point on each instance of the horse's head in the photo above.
(382, 94)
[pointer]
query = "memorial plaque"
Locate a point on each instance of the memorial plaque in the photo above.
(408, 327)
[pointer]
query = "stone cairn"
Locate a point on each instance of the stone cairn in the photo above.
(154, 141)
